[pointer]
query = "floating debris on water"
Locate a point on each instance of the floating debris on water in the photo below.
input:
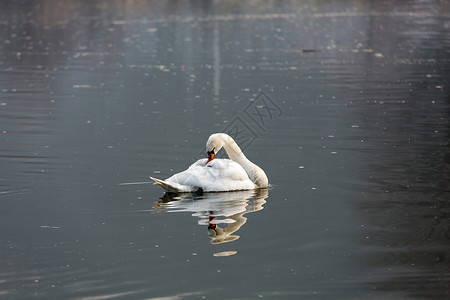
(225, 253)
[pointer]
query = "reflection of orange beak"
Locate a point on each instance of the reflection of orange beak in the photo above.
(210, 156)
(211, 218)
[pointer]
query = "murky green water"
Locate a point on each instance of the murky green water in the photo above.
(344, 104)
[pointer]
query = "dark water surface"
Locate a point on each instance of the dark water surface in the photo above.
(344, 104)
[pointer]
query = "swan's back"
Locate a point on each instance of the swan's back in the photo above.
(219, 175)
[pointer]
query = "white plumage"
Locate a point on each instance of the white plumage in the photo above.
(218, 175)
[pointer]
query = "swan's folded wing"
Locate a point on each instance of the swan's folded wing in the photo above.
(227, 175)
(219, 175)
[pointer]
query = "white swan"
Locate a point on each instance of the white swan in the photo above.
(218, 175)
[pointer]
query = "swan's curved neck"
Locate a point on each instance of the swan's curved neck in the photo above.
(255, 173)
(234, 152)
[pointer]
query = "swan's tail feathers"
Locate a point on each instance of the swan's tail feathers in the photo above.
(169, 187)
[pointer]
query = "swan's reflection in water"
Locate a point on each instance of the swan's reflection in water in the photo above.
(222, 213)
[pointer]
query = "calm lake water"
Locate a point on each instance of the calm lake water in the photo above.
(344, 104)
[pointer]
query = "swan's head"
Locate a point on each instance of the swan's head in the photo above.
(213, 145)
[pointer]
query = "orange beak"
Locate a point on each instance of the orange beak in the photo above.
(210, 156)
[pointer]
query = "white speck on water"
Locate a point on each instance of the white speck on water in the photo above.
(379, 55)
(50, 227)
(355, 126)
(156, 172)
(301, 167)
